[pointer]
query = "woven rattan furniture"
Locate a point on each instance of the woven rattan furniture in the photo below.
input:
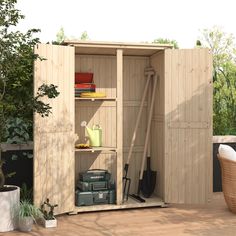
(228, 175)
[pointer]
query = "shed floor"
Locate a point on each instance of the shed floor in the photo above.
(206, 220)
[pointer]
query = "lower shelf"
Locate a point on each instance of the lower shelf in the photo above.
(150, 202)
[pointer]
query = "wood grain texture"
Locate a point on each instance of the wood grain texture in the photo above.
(213, 219)
(188, 126)
(181, 127)
(104, 71)
(157, 130)
(119, 125)
(133, 87)
(54, 135)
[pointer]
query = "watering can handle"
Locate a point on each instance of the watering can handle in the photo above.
(96, 126)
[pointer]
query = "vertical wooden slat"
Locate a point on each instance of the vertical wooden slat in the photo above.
(119, 121)
(157, 136)
(54, 135)
(209, 101)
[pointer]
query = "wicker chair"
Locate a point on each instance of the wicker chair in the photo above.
(228, 175)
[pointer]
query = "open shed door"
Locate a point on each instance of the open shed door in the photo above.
(54, 135)
(188, 126)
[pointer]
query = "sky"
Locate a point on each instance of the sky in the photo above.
(128, 20)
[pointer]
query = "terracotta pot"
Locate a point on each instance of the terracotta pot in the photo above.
(9, 207)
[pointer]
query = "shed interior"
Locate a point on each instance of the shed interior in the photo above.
(102, 60)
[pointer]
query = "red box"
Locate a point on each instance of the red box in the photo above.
(81, 78)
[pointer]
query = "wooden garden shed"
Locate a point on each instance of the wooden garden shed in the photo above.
(181, 129)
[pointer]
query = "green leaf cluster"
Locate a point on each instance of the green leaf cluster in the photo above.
(167, 41)
(224, 79)
(17, 101)
(27, 209)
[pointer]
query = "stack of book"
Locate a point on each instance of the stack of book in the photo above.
(84, 83)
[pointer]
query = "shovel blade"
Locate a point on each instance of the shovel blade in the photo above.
(148, 183)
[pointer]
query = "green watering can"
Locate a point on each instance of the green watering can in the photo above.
(95, 134)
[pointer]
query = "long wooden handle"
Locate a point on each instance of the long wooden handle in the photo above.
(148, 126)
(149, 74)
(148, 111)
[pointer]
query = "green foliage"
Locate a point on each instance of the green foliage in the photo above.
(198, 43)
(16, 130)
(26, 194)
(224, 78)
(166, 41)
(60, 36)
(48, 210)
(16, 77)
(27, 209)
(40, 107)
(84, 36)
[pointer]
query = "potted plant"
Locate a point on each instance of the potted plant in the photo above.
(28, 214)
(47, 210)
(9, 202)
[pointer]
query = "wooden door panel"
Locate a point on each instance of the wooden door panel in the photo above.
(54, 135)
(188, 126)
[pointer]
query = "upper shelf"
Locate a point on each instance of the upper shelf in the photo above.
(95, 99)
(97, 149)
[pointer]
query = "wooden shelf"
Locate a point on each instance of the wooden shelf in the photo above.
(95, 99)
(150, 202)
(97, 149)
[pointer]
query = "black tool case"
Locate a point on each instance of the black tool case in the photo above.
(94, 197)
(95, 186)
(94, 175)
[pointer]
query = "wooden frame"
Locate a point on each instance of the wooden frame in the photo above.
(182, 118)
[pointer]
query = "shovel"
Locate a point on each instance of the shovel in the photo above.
(148, 185)
(149, 176)
(149, 72)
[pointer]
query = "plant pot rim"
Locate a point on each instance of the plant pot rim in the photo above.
(11, 188)
(54, 218)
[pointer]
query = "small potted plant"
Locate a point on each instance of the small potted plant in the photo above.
(28, 214)
(48, 219)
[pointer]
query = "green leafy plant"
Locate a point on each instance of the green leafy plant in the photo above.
(48, 210)
(27, 209)
(16, 130)
(167, 41)
(26, 194)
(223, 48)
(17, 59)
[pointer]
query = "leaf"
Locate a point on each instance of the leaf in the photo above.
(14, 157)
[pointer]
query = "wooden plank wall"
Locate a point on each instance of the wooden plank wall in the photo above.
(133, 86)
(188, 126)
(157, 134)
(105, 112)
(97, 112)
(103, 69)
(54, 135)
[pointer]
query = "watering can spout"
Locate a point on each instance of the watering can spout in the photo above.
(89, 131)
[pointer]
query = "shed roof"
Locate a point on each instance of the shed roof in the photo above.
(109, 48)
